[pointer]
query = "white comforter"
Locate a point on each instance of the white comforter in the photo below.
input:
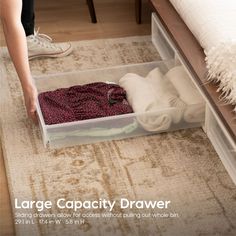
(213, 23)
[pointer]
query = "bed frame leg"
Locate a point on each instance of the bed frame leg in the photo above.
(92, 11)
(138, 11)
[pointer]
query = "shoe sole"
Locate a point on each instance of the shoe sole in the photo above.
(62, 54)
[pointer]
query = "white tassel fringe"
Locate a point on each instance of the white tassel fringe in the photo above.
(221, 65)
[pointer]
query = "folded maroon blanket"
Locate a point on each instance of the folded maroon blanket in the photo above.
(83, 102)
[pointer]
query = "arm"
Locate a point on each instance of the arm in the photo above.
(10, 13)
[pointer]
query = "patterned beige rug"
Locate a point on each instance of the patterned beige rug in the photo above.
(181, 167)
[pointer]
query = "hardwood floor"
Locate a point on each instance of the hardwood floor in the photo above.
(70, 21)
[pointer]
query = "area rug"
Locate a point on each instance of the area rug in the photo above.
(180, 167)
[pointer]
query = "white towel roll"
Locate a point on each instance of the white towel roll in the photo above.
(142, 96)
(152, 93)
(167, 93)
(189, 94)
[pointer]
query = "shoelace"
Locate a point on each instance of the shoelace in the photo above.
(43, 36)
(44, 40)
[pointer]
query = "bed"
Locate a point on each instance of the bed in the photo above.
(195, 48)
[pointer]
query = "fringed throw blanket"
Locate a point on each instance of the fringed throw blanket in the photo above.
(213, 23)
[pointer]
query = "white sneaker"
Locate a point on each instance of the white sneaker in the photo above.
(41, 45)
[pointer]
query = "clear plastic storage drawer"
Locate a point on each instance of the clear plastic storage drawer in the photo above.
(113, 127)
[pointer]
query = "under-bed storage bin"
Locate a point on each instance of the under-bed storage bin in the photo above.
(107, 128)
(161, 40)
(223, 144)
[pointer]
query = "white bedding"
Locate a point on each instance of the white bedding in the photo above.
(213, 23)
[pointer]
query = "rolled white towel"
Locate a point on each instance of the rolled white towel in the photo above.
(152, 94)
(155, 122)
(167, 93)
(142, 96)
(189, 94)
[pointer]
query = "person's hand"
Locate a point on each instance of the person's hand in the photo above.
(30, 96)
